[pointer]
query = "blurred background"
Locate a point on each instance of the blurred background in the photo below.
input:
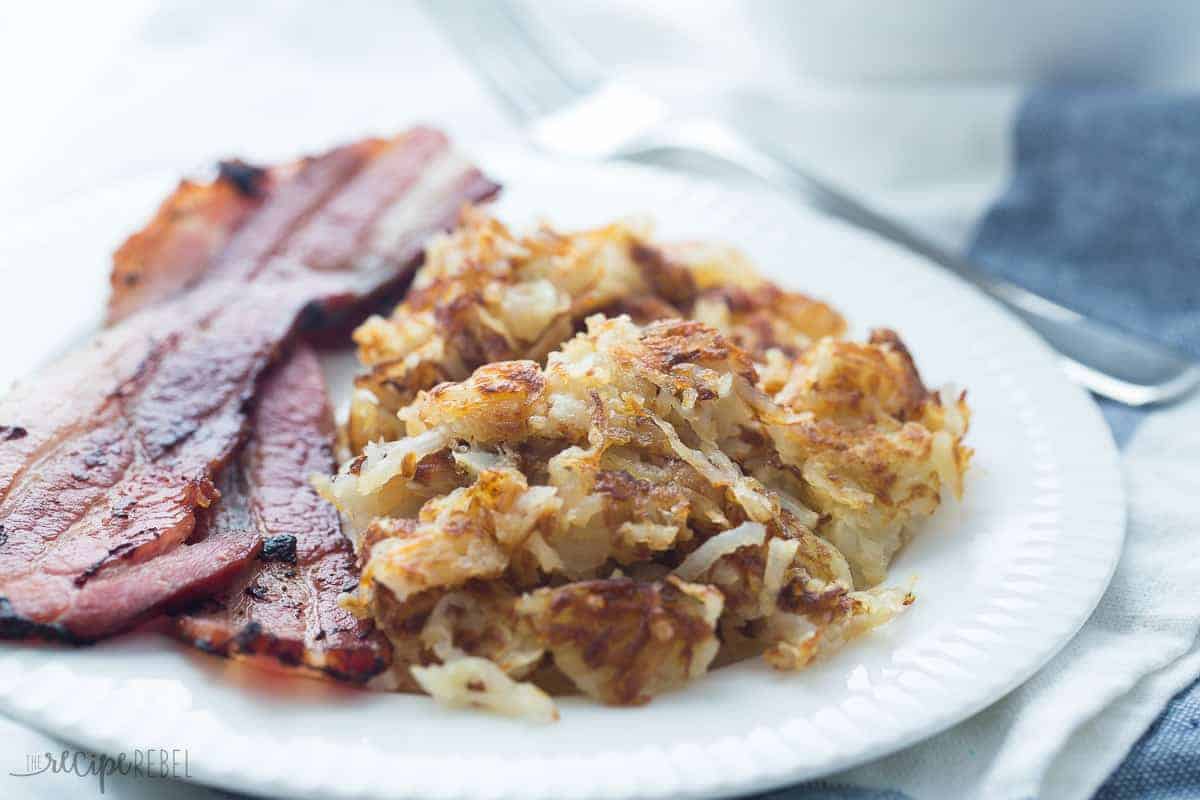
(910, 100)
(910, 105)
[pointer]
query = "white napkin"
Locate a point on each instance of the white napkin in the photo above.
(185, 83)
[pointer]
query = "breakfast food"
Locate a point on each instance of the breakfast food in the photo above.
(283, 605)
(705, 467)
(485, 295)
(108, 457)
(573, 462)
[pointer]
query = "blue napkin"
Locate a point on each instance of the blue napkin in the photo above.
(1103, 216)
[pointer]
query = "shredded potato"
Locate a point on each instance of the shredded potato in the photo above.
(723, 544)
(478, 683)
(706, 464)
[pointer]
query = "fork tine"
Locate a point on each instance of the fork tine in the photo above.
(498, 47)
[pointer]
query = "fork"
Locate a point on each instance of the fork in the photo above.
(557, 91)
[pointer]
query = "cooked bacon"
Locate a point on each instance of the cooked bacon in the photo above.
(120, 442)
(187, 234)
(284, 606)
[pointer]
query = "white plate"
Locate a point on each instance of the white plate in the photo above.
(1003, 580)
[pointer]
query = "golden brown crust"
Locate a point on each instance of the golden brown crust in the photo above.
(765, 317)
(667, 344)
(486, 295)
(622, 641)
(670, 281)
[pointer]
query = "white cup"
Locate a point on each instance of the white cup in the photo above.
(1109, 41)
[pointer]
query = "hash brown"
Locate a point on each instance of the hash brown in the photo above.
(586, 459)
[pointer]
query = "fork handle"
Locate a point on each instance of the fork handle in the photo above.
(1106, 360)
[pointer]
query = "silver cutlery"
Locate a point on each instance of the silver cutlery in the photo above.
(558, 92)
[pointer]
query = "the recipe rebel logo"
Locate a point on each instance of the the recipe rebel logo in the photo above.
(150, 762)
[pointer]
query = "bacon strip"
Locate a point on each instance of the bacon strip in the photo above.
(108, 456)
(185, 237)
(285, 605)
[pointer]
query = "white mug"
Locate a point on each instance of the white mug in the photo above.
(1107, 41)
